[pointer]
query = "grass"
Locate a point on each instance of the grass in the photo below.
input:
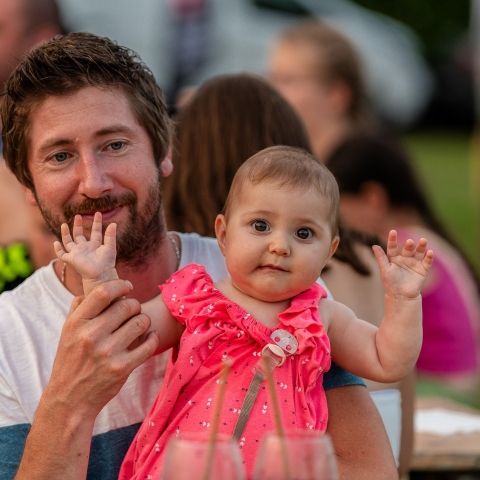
(451, 175)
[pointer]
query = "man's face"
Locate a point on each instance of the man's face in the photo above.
(87, 152)
(14, 36)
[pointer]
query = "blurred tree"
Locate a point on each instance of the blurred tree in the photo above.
(438, 23)
(442, 26)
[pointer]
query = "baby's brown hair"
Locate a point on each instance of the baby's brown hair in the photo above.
(288, 167)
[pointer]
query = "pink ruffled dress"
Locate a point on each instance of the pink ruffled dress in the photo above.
(215, 328)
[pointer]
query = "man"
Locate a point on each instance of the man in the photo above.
(86, 129)
(23, 24)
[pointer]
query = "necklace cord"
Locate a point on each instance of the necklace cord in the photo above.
(173, 241)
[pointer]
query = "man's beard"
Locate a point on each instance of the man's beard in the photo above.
(137, 239)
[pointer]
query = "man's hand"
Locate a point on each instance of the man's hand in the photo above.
(94, 359)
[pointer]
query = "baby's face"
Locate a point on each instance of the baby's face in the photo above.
(276, 240)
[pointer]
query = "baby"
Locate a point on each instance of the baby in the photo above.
(277, 232)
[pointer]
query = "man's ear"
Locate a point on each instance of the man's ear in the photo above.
(221, 231)
(166, 165)
(29, 195)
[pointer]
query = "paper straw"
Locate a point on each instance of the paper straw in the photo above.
(277, 415)
(217, 408)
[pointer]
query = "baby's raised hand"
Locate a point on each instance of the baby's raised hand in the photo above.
(94, 258)
(404, 269)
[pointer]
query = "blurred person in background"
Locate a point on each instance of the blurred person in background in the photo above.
(245, 114)
(24, 241)
(19, 258)
(23, 25)
(379, 188)
(317, 69)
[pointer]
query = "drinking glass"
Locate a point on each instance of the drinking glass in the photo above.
(299, 455)
(192, 457)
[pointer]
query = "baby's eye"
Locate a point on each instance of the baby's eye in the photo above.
(260, 226)
(304, 233)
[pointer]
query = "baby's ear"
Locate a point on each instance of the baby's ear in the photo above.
(334, 245)
(221, 231)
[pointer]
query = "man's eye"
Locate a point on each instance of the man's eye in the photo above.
(117, 145)
(60, 157)
(260, 226)
(304, 233)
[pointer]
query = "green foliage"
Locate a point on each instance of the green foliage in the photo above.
(438, 23)
(432, 388)
(449, 170)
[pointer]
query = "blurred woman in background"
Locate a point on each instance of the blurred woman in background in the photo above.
(379, 191)
(317, 69)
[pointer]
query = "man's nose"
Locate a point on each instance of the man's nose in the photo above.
(94, 178)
